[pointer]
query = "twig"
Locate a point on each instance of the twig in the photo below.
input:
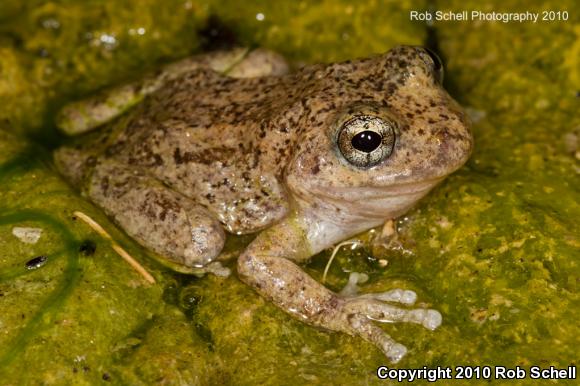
(116, 247)
(334, 252)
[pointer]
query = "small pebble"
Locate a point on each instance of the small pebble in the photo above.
(388, 229)
(27, 235)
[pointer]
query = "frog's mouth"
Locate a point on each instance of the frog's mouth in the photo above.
(372, 202)
(364, 192)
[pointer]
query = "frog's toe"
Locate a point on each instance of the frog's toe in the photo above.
(395, 352)
(397, 295)
(364, 327)
(432, 319)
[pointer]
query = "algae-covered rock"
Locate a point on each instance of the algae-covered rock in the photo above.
(65, 299)
(52, 51)
(501, 236)
(323, 31)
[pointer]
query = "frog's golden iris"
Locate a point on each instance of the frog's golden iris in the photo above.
(366, 140)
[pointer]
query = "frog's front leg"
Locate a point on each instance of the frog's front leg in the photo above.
(268, 265)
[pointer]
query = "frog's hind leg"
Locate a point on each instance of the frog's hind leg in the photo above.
(87, 114)
(160, 219)
(75, 159)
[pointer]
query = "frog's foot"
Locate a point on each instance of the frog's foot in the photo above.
(361, 311)
(160, 219)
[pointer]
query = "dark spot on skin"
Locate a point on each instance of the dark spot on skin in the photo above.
(177, 157)
(35, 263)
(333, 303)
(88, 248)
(158, 160)
(105, 185)
(316, 168)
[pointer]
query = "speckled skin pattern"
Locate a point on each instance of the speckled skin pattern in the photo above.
(207, 151)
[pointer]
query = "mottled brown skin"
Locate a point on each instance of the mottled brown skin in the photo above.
(206, 151)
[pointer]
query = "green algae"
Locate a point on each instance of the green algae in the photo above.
(494, 248)
(68, 312)
(322, 31)
(53, 52)
(58, 296)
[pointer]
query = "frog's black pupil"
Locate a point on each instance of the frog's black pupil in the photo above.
(366, 141)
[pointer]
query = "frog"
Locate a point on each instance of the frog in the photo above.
(233, 142)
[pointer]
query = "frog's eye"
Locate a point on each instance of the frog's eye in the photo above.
(366, 140)
(436, 64)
